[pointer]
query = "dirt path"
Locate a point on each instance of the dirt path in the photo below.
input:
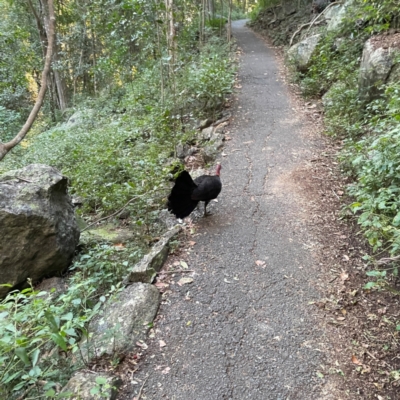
(244, 328)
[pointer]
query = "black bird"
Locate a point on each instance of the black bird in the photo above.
(187, 193)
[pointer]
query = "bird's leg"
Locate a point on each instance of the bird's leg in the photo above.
(205, 209)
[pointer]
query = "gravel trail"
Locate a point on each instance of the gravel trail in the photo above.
(245, 330)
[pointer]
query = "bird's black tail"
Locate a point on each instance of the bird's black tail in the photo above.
(180, 200)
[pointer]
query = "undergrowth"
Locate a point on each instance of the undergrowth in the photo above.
(122, 144)
(116, 148)
(39, 328)
(370, 131)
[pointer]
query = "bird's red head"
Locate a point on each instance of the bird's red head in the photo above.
(219, 166)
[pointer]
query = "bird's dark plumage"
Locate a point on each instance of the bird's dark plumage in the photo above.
(187, 192)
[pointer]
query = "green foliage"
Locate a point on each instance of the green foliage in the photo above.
(36, 329)
(10, 123)
(102, 388)
(371, 132)
(374, 162)
(376, 15)
(119, 147)
(261, 5)
(17, 57)
(216, 23)
(110, 157)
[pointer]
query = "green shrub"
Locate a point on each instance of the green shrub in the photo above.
(111, 158)
(37, 330)
(216, 23)
(375, 164)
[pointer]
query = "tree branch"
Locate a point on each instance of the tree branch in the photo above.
(313, 21)
(6, 147)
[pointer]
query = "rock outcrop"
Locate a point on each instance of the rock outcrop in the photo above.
(146, 269)
(38, 228)
(91, 386)
(300, 53)
(124, 320)
(378, 65)
(336, 14)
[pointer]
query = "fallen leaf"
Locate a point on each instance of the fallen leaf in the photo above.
(366, 370)
(188, 323)
(141, 344)
(260, 263)
(184, 281)
(184, 265)
(344, 276)
(191, 243)
(346, 258)
(340, 318)
(355, 360)
(119, 246)
(162, 343)
(161, 285)
(343, 311)
(166, 370)
(176, 263)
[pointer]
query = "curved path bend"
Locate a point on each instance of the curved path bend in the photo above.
(242, 330)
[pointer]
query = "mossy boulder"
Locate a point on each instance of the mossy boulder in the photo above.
(38, 228)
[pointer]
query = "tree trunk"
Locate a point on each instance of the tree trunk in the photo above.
(60, 82)
(229, 27)
(171, 43)
(6, 147)
(43, 29)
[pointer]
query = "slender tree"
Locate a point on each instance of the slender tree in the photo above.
(229, 28)
(6, 147)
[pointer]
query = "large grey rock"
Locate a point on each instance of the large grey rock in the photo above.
(38, 228)
(336, 14)
(90, 386)
(146, 269)
(124, 320)
(376, 65)
(300, 53)
(331, 16)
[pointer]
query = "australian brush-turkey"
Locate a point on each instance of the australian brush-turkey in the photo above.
(187, 193)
